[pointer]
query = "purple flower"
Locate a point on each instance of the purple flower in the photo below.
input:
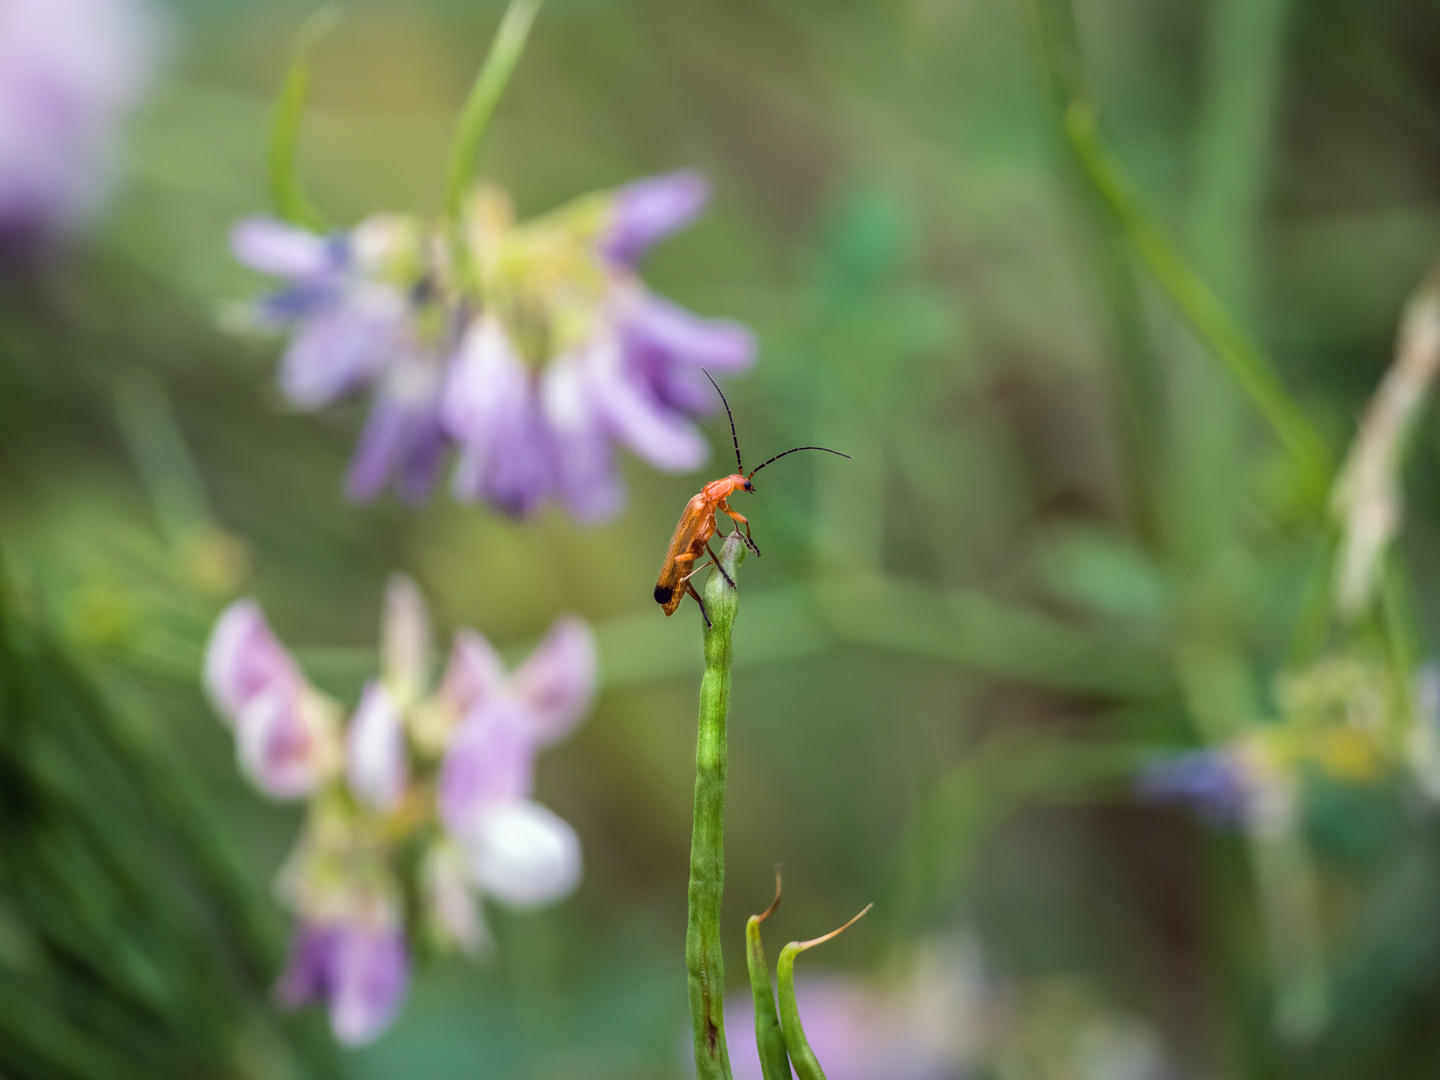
(70, 71)
(286, 732)
(1213, 783)
(536, 415)
(508, 719)
(354, 327)
(535, 348)
(446, 773)
(515, 850)
(361, 971)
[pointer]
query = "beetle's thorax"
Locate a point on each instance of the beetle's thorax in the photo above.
(716, 490)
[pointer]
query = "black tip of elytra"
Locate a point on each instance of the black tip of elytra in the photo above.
(663, 593)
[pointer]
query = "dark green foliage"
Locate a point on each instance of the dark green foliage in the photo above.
(130, 944)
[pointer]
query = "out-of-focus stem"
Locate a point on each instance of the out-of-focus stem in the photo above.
(1231, 153)
(160, 456)
(1230, 344)
(703, 958)
(1367, 498)
(292, 201)
(1139, 396)
(484, 96)
(1190, 294)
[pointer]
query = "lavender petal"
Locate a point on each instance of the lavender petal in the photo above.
(343, 346)
(70, 71)
(1210, 782)
(281, 250)
(474, 673)
(307, 971)
(489, 406)
(652, 325)
(243, 659)
(557, 682)
(402, 437)
(662, 436)
(648, 210)
(490, 760)
(586, 478)
(370, 976)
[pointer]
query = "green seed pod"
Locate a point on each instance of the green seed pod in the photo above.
(769, 1037)
(807, 1067)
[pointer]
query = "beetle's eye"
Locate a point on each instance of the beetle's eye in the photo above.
(749, 486)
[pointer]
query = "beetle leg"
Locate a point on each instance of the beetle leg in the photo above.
(740, 519)
(715, 559)
(693, 572)
(691, 590)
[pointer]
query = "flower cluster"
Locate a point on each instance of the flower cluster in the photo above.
(442, 775)
(531, 347)
(70, 71)
(1340, 717)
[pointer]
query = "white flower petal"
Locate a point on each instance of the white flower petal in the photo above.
(524, 855)
(375, 750)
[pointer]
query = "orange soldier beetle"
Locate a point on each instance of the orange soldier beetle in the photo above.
(697, 525)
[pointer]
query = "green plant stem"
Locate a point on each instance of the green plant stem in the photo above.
(484, 96)
(1212, 323)
(703, 958)
(1139, 396)
(292, 202)
(1199, 305)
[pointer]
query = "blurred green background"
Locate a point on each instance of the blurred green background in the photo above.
(956, 647)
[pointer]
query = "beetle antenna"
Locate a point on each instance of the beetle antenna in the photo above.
(739, 466)
(777, 457)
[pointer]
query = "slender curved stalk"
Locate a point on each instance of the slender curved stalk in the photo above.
(292, 202)
(703, 958)
(807, 1066)
(484, 96)
(769, 1036)
(1192, 296)
(1199, 305)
